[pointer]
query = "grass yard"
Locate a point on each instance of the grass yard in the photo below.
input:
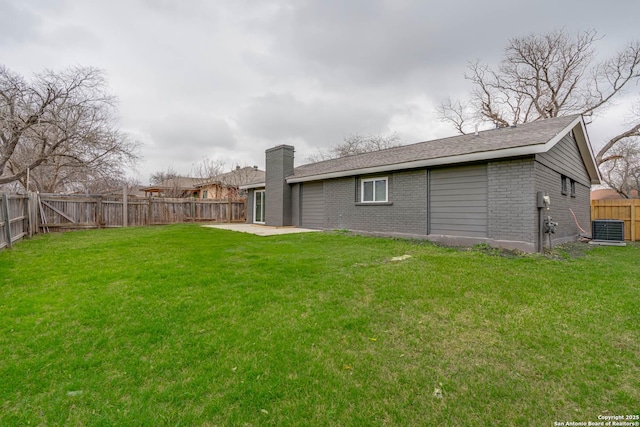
(183, 325)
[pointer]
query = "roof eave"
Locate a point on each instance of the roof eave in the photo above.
(586, 151)
(252, 186)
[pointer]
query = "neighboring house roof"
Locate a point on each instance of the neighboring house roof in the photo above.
(609, 193)
(179, 183)
(524, 139)
(236, 178)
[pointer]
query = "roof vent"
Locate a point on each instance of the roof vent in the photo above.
(255, 167)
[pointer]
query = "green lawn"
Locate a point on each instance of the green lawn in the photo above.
(183, 325)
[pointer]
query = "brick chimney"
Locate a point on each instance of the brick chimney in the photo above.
(279, 165)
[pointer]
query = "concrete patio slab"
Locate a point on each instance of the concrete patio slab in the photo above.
(260, 230)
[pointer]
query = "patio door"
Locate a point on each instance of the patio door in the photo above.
(258, 203)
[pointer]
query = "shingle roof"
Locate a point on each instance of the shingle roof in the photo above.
(237, 177)
(179, 182)
(534, 133)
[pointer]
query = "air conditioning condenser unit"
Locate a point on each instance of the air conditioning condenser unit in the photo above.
(607, 230)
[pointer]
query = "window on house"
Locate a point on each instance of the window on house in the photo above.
(573, 188)
(374, 190)
(564, 185)
(205, 194)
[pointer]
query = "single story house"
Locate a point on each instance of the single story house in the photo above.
(227, 185)
(224, 186)
(486, 187)
(179, 186)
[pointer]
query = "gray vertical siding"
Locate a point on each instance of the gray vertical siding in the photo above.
(548, 181)
(565, 159)
(295, 204)
(250, 206)
(458, 201)
(313, 205)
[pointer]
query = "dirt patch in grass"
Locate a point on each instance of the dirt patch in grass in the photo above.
(565, 251)
(569, 250)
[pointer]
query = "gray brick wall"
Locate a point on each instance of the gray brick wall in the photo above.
(549, 181)
(279, 164)
(406, 212)
(512, 200)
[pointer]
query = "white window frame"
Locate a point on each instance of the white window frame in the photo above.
(386, 189)
(255, 206)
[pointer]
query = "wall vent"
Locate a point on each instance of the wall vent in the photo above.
(608, 230)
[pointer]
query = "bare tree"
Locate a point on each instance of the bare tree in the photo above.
(207, 168)
(240, 176)
(622, 170)
(543, 76)
(62, 127)
(357, 144)
(159, 177)
(456, 113)
(168, 183)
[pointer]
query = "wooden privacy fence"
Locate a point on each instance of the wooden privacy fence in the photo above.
(22, 215)
(68, 212)
(627, 210)
(17, 218)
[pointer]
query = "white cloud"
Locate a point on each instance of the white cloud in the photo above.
(230, 78)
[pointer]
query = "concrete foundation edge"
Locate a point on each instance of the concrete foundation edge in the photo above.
(467, 241)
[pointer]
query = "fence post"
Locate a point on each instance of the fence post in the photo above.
(99, 212)
(125, 206)
(149, 210)
(633, 220)
(35, 212)
(30, 213)
(25, 212)
(7, 224)
(229, 213)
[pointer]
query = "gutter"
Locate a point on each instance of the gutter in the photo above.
(251, 186)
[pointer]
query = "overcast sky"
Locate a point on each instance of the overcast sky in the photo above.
(227, 79)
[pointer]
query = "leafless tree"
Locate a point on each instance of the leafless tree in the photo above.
(356, 144)
(163, 175)
(62, 127)
(543, 76)
(622, 171)
(170, 184)
(207, 168)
